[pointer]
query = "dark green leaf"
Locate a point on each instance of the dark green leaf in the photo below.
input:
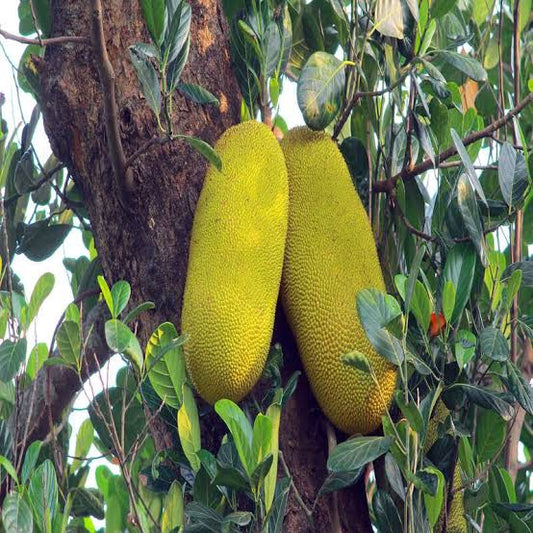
(259, 473)
(466, 64)
(386, 513)
(411, 412)
(30, 460)
(141, 308)
(175, 68)
(40, 292)
(40, 240)
(357, 452)
(487, 398)
(519, 387)
(512, 175)
(178, 31)
(493, 344)
(394, 476)
(154, 16)
(203, 515)
(439, 8)
(239, 518)
(527, 272)
(87, 502)
(277, 512)
(320, 89)
(198, 94)
(339, 480)
(12, 354)
(148, 79)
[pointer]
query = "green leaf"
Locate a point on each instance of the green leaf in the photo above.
(459, 269)
(357, 360)
(68, 341)
(120, 295)
(6, 464)
(261, 438)
(377, 309)
(465, 347)
(519, 387)
(189, 428)
(512, 175)
(174, 513)
(30, 460)
(274, 415)
(87, 502)
(467, 162)
(439, 8)
(490, 434)
(208, 518)
(386, 513)
(320, 89)
(434, 503)
(357, 452)
(489, 399)
(198, 94)
(259, 473)
(466, 64)
(493, 344)
(121, 339)
(175, 68)
(12, 355)
(339, 480)
(448, 300)
(277, 511)
(40, 241)
(106, 293)
(148, 79)
(84, 440)
(16, 514)
(239, 518)
(527, 272)
(43, 493)
(165, 364)
(240, 430)
(42, 289)
(141, 308)
(421, 307)
(204, 149)
(178, 31)
(411, 412)
(469, 210)
(155, 17)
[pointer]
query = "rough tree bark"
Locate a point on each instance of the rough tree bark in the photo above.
(148, 245)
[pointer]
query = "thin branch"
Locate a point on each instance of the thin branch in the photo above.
(155, 141)
(387, 186)
(64, 39)
(360, 94)
(111, 114)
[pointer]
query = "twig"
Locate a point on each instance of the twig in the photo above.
(388, 185)
(47, 176)
(360, 94)
(123, 178)
(155, 141)
(64, 39)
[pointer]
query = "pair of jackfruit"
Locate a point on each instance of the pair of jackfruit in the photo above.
(282, 212)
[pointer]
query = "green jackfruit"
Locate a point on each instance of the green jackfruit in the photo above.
(235, 262)
(331, 255)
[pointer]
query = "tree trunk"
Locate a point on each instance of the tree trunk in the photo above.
(148, 244)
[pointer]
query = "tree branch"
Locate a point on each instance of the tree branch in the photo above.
(123, 177)
(64, 39)
(388, 185)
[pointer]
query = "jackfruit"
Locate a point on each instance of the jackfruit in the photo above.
(456, 522)
(235, 262)
(330, 255)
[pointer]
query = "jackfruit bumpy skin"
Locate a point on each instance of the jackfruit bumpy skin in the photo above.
(235, 263)
(330, 255)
